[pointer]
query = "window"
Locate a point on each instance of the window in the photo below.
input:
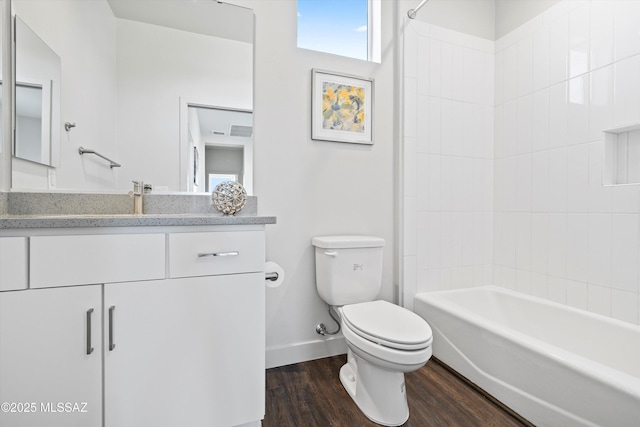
(341, 27)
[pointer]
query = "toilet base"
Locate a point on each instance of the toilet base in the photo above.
(379, 393)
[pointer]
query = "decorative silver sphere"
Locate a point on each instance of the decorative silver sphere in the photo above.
(229, 197)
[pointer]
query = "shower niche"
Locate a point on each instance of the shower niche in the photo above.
(622, 155)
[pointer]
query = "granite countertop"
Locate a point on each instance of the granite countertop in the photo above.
(127, 220)
(69, 210)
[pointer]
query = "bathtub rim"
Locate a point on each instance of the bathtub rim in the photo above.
(622, 381)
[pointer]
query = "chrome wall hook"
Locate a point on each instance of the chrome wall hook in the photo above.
(68, 126)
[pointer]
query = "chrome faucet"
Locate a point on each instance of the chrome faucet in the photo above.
(137, 194)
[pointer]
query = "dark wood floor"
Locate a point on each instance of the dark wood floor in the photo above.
(310, 395)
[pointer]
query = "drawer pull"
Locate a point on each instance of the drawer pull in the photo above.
(112, 345)
(89, 346)
(205, 254)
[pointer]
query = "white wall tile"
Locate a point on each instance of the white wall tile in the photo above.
(579, 40)
(558, 179)
(434, 126)
(409, 281)
(540, 121)
(523, 282)
(457, 73)
(540, 181)
(624, 252)
(541, 58)
(447, 121)
(423, 172)
(559, 50)
(410, 107)
(446, 183)
(626, 198)
(510, 128)
(524, 124)
(525, 65)
(523, 241)
(557, 289)
(409, 166)
(624, 306)
(423, 65)
(422, 124)
(433, 193)
(445, 239)
(600, 249)
(499, 78)
(577, 246)
(410, 227)
(558, 119)
(539, 242)
(557, 245)
(469, 75)
(578, 110)
(524, 178)
(577, 294)
(599, 299)
(601, 102)
(435, 67)
(626, 98)
(626, 36)
(601, 33)
(510, 73)
(578, 178)
(600, 196)
(539, 285)
(446, 70)
(411, 54)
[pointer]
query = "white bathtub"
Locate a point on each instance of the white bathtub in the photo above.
(552, 364)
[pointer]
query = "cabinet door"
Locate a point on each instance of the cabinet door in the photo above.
(185, 352)
(44, 365)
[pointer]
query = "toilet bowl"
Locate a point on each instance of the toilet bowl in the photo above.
(377, 357)
(383, 340)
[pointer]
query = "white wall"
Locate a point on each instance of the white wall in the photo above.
(448, 159)
(472, 17)
(511, 14)
(158, 68)
(563, 78)
(315, 187)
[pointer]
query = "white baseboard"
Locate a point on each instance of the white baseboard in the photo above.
(304, 351)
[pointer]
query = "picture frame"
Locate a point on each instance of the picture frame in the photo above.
(341, 107)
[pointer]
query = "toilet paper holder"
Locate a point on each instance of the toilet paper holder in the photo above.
(273, 276)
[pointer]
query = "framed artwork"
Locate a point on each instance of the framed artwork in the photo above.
(341, 108)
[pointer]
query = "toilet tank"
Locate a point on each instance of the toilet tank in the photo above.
(348, 268)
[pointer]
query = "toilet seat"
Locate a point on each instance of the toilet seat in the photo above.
(388, 325)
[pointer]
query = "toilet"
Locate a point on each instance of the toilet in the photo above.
(383, 340)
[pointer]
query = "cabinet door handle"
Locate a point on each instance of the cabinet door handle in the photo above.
(89, 347)
(112, 345)
(204, 254)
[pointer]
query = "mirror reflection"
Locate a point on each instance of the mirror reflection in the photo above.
(130, 71)
(221, 141)
(37, 98)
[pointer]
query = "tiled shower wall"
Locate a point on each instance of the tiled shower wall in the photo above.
(525, 208)
(448, 159)
(561, 80)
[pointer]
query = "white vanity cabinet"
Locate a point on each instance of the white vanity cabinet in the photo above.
(51, 354)
(184, 348)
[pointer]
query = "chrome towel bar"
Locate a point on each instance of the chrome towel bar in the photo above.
(112, 164)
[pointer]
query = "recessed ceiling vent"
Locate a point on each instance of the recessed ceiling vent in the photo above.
(242, 131)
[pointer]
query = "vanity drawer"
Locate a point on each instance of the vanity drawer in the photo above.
(13, 263)
(80, 260)
(205, 254)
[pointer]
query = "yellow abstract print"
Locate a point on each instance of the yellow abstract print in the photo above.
(343, 107)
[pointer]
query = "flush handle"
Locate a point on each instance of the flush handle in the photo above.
(331, 254)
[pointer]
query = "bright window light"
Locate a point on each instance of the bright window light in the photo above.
(341, 27)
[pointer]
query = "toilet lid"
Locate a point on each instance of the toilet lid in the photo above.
(387, 324)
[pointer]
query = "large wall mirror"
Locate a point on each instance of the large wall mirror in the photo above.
(133, 75)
